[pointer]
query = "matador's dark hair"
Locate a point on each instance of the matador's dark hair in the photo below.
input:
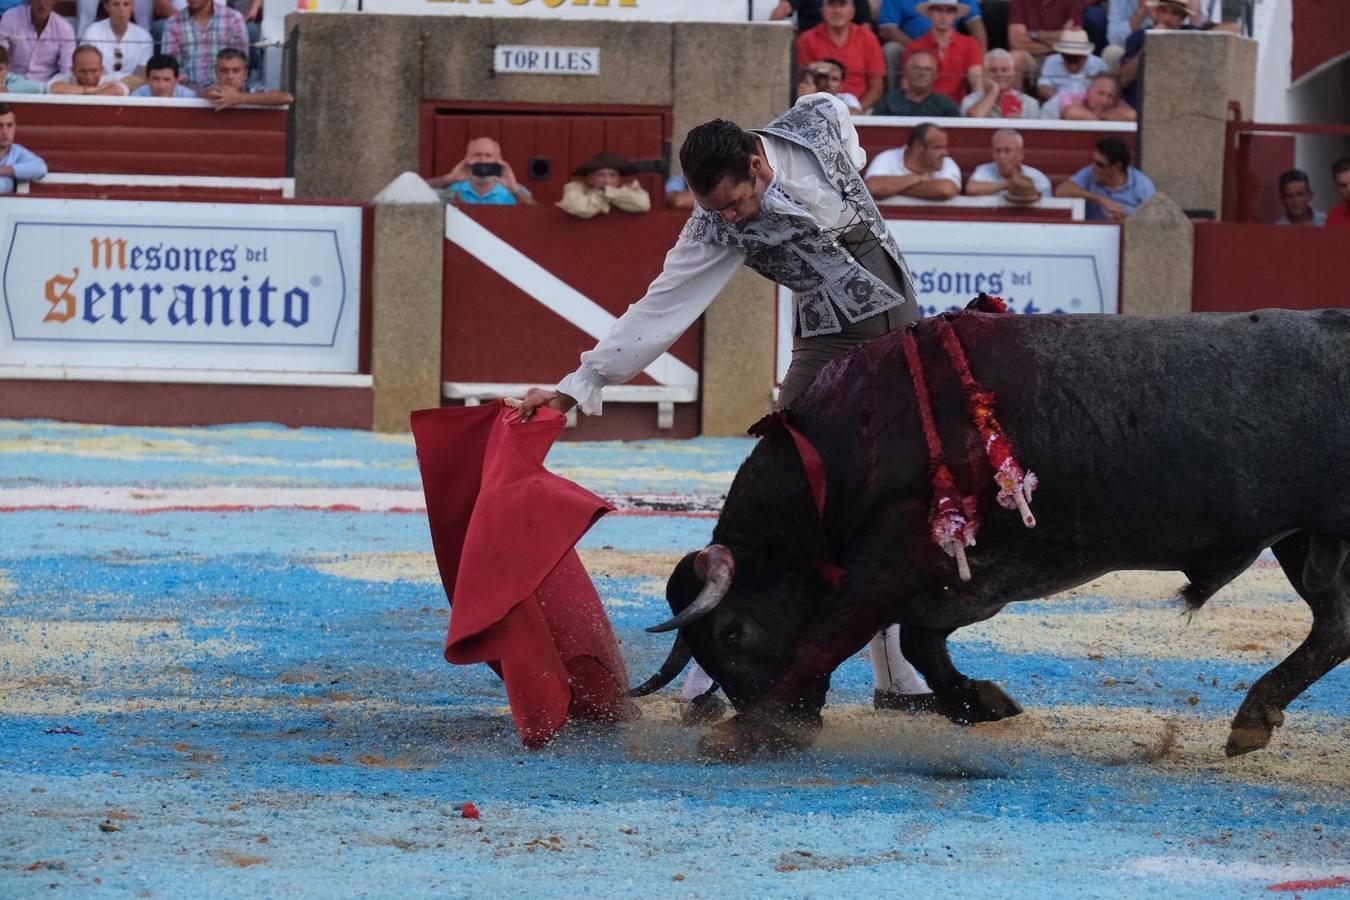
(716, 150)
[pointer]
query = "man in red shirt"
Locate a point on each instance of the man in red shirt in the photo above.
(853, 45)
(1339, 215)
(960, 62)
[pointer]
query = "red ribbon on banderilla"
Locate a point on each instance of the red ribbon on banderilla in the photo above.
(953, 517)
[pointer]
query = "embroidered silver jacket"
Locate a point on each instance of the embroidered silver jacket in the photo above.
(795, 252)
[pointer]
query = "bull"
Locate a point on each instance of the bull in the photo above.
(1188, 443)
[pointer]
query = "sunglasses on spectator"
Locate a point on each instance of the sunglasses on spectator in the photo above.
(117, 59)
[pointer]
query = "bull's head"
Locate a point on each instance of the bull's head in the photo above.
(739, 617)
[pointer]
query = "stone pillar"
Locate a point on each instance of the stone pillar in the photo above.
(1189, 79)
(1157, 259)
(406, 285)
(739, 337)
(355, 124)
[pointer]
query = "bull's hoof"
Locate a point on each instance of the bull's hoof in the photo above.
(704, 709)
(740, 739)
(980, 701)
(1247, 735)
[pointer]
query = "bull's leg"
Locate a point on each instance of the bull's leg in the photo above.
(1327, 644)
(959, 698)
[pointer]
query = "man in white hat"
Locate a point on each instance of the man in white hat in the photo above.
(1071, 67)
(1034, 26)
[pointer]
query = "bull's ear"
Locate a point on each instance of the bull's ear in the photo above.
(684, 584)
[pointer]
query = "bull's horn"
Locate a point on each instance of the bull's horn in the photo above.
(679, 657)
(717, 567)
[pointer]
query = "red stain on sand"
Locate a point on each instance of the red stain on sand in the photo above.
(470, 811)
(1318, 884)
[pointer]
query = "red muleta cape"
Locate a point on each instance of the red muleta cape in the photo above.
(504, 530)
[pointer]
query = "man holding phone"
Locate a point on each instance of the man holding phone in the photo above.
(482, 176)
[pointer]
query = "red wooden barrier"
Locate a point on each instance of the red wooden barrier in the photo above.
(1242, 266)
(142, 139)
(494, 332)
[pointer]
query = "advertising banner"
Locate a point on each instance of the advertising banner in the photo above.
(1037, 268)
(240, 287)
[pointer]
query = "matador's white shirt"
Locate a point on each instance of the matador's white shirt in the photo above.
(695, 272)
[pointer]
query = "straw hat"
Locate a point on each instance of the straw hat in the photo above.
(1179, 4)
(1074, 42)
(1021, 190)
(962, 9)
(605, 161)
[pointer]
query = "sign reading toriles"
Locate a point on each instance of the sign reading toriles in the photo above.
(527, 60)
(1036, 268)
(180, 285)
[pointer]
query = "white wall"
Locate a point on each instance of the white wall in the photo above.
(1273, 28)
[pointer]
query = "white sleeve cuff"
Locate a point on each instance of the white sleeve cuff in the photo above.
(584, 386)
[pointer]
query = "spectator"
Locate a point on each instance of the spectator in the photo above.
(826, 76)
(1339, 215)
(1123, 18)
(808, 13)
(1296, 194)
(161, 74)
(1100, 102)
(1208, 14)
(126, 46)
(1094, 23)
(1168, 15)
(958, 57)
(1006, 170)
(678, 195)
(998, 97)
(1128, 16)
(900, 22)
(87, 77)
(197, 33)
(1111, 186)
(921, 169)
(233, 88)
(40, 44)
(15, 84)
(602, 188)
(855, 46)
(918, 97)
(1035, 26)
(251, 10)
(86, 12)
(1071, 67)
(482, 176)
(17, 162)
